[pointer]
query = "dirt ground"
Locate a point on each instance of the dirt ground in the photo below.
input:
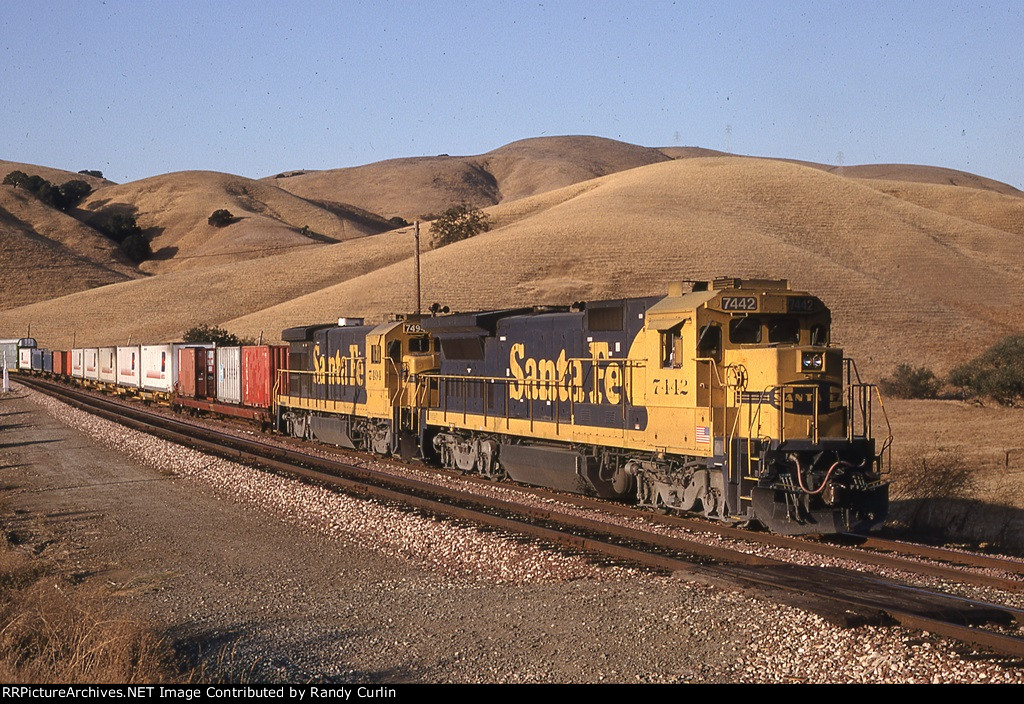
(270, 601)
(251, 580)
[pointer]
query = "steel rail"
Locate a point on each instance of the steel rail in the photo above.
(836, 594)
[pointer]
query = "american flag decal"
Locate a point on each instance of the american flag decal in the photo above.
(703, 435)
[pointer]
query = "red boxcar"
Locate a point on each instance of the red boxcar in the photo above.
(260, 364)
(197, 372)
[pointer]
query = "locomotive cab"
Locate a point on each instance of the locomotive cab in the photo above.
(355, 385)
(771, 409)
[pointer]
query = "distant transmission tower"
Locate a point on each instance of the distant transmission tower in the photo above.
(839, 163)
(728, 139)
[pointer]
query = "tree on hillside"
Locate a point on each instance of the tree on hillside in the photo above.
(91, 172)
(459, 222)
(216, 335)
(63, 197)
(16, 178)
(123, 229)
(998, 372)
(221, 218)
(122, 226)
(72, 193)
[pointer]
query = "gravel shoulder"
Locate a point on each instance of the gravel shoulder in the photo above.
(281, 581)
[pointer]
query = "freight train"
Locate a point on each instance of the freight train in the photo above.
(727, 399)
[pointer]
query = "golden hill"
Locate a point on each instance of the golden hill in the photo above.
(174, 209)
(414, 187)
(905, 281)
(54, 176)
(47, 254)
(914, 270)
(162, 307)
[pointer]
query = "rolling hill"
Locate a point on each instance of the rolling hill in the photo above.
(48, 254)
(918, 263)
(174, 210)
(414, 187)
(905, 279)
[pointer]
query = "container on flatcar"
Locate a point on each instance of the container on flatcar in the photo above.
(48, 357)
(229, 375)
(59, 368)
(78, 363)
(25, 358)
(160, 365)
(129, 362)
(10, 351)
(260, 366)
(91, 361)
(36, 360)
(107, 357)
(196, 372)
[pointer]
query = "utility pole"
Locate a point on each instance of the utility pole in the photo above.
(416, 254)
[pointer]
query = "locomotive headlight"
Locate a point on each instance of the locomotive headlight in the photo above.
(812, 361)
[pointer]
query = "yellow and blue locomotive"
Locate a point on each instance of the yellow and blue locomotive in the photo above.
(725, 399)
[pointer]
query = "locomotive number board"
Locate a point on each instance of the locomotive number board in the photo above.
(743, 303)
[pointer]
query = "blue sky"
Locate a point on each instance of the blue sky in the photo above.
(253, 88)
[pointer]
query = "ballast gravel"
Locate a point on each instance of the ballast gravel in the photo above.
(271, 580)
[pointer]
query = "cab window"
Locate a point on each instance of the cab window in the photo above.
(819, 334)
(418, 345)
(784, 329)
(709, 342)
(672, 348)
(745, 331)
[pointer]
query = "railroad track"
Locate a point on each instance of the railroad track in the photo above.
(844, 597)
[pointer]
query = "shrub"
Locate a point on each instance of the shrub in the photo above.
(137, 248)
(216, 335)
(459, 222)
(997, 373)
(91, 172)
(221, 218)
(911, 382)
(397, 222)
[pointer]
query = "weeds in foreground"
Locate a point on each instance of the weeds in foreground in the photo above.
(52, 630)
(938, 497)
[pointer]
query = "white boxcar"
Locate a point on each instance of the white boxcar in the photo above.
(229, 374)
(160, 365)
(25, 358)
(108, 365)
(92, 363)
(129, 361)
(78, 363)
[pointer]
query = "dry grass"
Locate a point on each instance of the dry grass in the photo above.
(897, 275)
(957, 471)
(47, 254)
(53, 631)
(163, 307)
(414, 187)
(174, 210)
(56, 176)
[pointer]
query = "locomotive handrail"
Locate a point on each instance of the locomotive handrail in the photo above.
(553, 386)
(769, 392)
